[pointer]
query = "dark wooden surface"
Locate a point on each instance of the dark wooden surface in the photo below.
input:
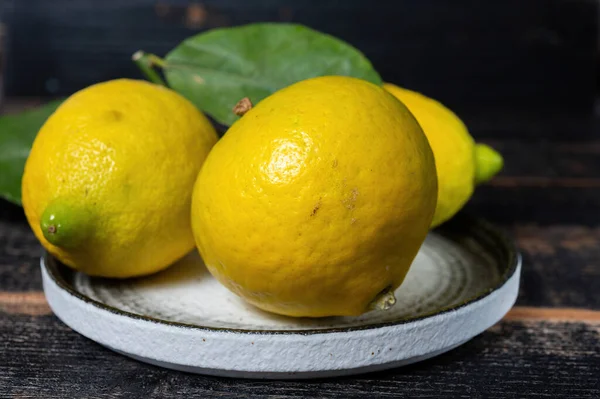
(538, 55)
(548, 198)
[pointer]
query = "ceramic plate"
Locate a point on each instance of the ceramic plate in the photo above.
(464, 279)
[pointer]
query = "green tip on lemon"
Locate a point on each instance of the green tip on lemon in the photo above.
(64, 225)
(488, 162)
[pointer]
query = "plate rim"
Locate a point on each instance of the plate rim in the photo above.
(52, 265)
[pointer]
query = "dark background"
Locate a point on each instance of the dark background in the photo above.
(515, 57)
(522, 74)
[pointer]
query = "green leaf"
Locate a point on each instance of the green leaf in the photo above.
(217, 68)
(17, 133)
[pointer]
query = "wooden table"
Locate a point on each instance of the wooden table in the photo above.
(548, 197)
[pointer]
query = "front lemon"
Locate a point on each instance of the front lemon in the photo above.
(108, 183)
(317, 200)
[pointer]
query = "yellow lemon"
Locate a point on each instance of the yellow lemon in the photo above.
(317, 200)
(108, 183)
(461, 163)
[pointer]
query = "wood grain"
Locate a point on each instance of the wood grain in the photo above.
(508, 205)
(24, 303)
(562, 315)
(528, 160)
(545, 182)
(43, 358)
(560, 263)
(19, 257)
(33, 303)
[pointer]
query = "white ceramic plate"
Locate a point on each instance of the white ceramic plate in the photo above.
(464, 279)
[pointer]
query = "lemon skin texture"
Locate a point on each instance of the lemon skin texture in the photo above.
(108, 183)
(454, 150)
(317, 199)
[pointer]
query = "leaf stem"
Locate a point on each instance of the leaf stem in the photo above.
(146, 63)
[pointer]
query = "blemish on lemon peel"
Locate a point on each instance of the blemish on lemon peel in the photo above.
(350, 201)
(316, 208)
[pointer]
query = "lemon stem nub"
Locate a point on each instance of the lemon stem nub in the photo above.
(243, 106)
(51, 229)
(384, 300)
(488, 162)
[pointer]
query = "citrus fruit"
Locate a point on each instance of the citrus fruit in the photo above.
(108, 183)
(317, 200)
(460, 162)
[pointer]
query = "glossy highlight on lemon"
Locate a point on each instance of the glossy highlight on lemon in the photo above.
(317, 200)
(108, 183)
(460, 162)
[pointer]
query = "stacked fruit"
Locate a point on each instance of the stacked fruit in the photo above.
(313, 203)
